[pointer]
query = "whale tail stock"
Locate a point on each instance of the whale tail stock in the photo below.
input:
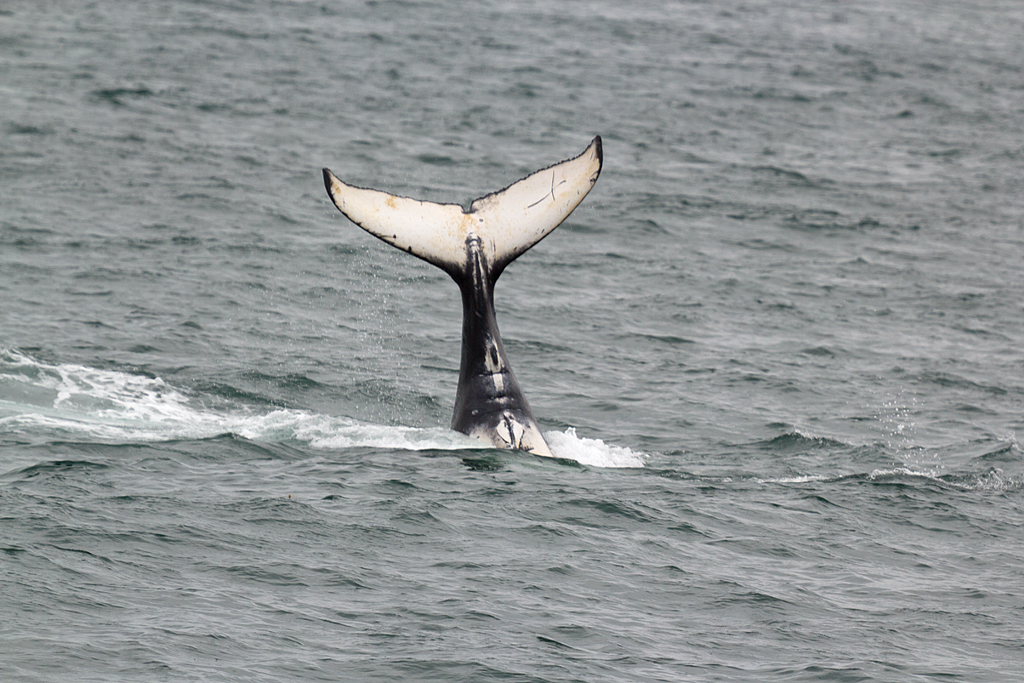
(474, 246)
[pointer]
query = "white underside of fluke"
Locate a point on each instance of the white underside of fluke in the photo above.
(507, 222)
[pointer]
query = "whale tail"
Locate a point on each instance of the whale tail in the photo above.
(474, 247)
(506, 223)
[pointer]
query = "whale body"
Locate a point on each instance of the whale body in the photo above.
(474, 247)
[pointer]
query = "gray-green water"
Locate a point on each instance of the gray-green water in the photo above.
(777, 350)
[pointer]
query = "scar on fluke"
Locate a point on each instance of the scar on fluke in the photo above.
(551, 193)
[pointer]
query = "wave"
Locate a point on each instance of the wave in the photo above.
(991, 480)
(798, 440)
(40, 400)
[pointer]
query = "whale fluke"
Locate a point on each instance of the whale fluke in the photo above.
(474, 246)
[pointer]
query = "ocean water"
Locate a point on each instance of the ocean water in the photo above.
(776, 351)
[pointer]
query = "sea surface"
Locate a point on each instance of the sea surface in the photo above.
(777, 351)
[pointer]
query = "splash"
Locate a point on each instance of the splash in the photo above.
(592, 452)
(82, 403)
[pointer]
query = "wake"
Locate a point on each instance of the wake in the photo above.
(75, 402)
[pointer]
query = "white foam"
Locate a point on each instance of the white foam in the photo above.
(83, 401)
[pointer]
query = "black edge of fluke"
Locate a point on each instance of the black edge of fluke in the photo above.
(327, 180)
